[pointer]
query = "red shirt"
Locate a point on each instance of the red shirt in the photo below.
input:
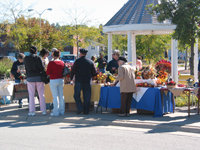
(55, 69)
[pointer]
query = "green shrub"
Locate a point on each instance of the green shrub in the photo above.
(182, 100)
(5, 66)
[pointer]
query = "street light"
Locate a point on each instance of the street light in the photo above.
(50, 9)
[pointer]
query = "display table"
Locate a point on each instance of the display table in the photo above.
(177, 92)
(110, 97)
(20, 91)
(68, 92)
(6, 89)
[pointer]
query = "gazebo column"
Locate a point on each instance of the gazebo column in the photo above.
(129, 42)
(109, 47)
(174, 60)
(196, 61)
(134, 50)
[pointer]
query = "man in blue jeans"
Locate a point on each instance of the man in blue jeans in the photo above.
(84, 70)
(16, 72)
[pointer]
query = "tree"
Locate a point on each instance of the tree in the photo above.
(185, 15)
(78, 18)
(152, 47)
(28, 33)
(11, 11)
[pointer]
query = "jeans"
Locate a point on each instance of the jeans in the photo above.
(31, 92)
(20, 100)
(86, 88)
(56, 86)
(102, 70)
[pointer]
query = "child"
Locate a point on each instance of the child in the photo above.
(16, 72)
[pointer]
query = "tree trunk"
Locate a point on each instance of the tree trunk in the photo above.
(186, 58)
(192, 57)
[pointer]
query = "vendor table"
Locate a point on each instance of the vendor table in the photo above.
(68, 92)
(6, 89)
(178, 91)
(151, 100)
(20, 91)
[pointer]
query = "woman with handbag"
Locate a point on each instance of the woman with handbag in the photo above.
(55, 70)
(34, 66)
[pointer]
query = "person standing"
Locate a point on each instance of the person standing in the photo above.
(55, 69)
(51, 56)
(44, 53)
(113, 64)
(83, 69)
(139, 63)
(34, 66)
(101, 63)
(16, 72)
(126, 76)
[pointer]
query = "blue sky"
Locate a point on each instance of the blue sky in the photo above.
(102, 10)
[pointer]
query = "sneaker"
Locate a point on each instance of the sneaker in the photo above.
(44, 113)
(61, 114)
(122, 115)
(52, 115)
(31, 114)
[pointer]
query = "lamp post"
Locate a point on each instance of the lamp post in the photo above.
(50, 9)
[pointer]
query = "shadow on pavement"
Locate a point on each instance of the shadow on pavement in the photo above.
(13, 117)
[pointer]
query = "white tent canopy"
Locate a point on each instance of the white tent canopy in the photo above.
(133, 19)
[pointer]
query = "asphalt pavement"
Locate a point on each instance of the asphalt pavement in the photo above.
(178, 121)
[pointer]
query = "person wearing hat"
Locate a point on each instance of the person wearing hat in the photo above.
(34, 66)
(51, 56)
(126, 76)
(83, 70)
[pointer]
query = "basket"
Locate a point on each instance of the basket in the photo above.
(171, 86)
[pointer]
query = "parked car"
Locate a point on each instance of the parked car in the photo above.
(13, 59)
(69, 58)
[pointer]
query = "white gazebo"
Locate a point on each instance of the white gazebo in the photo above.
(133, 19)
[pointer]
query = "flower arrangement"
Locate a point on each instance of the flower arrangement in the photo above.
(22, 77)
(162, 76)
(138, 74)
(159, 82)
(149, 73)
(181, 85)
(101, 77)
(110, 77)
(163, 65)
(144, 85)
(170, 83)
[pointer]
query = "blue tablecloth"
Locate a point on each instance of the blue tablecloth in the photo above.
(110, 97)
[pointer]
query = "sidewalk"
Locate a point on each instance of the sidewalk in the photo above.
(12, 116)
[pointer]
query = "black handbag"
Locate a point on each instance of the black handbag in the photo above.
(66, 71)
(45, 77)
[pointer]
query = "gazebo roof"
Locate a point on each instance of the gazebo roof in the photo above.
(134, 17)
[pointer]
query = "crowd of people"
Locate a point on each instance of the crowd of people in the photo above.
(82, 72)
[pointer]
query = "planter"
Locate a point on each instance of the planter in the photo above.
(171, 86)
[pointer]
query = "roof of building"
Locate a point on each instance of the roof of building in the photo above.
(133, 16)
(134, 12)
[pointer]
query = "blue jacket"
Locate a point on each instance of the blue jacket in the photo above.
(14, 69)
